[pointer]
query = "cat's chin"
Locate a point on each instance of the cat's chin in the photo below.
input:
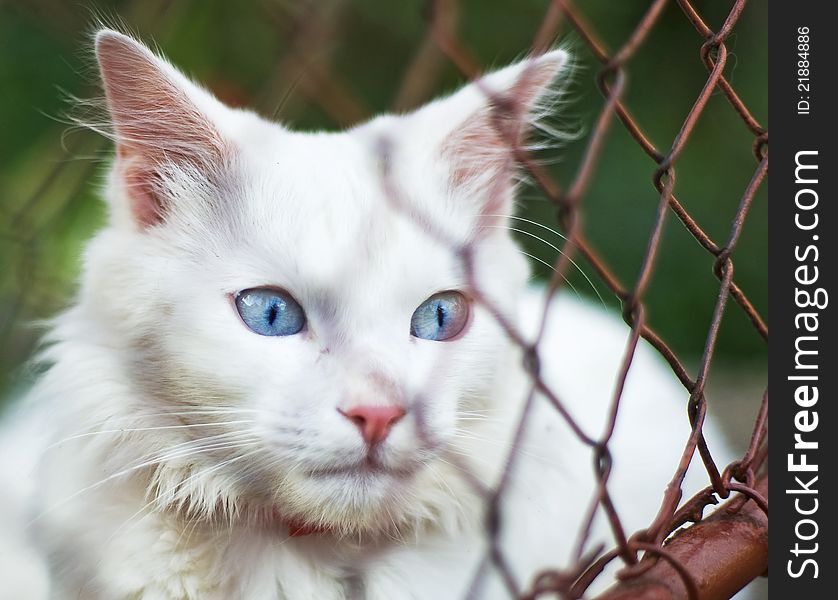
(352, 501)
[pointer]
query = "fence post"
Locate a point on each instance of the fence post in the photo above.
(722, 552)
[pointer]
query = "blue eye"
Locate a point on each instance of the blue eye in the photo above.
(269, 311)
(440, 317)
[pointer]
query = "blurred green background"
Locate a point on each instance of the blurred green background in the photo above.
(272, 54)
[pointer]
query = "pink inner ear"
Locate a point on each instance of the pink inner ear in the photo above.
(480, 153)
(483, 146)
(143, 190)
(155, 121)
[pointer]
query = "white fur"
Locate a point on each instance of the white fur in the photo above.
(153, 356)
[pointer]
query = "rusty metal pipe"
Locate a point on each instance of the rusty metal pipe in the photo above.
(722, 553)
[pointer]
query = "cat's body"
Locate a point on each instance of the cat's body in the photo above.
(177, 449)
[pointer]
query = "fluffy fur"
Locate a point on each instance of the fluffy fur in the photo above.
(169, 452)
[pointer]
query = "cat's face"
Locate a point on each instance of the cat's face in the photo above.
(264, 286)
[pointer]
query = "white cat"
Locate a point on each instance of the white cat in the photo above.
(277, 381)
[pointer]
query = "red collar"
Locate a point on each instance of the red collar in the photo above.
(303, 529)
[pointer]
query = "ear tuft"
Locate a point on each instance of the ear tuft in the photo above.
(156, 122)
(505, 106)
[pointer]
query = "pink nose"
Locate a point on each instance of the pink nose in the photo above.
(374, 422)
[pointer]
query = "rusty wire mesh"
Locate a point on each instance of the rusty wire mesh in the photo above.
(654, 562)
(716, 571)
(695, 577)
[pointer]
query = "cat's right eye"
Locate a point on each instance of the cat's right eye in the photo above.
(269, 311)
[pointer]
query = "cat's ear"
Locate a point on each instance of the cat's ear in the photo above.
(160, 124)
(481, 125)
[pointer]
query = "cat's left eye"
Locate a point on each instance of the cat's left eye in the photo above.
(440, 317)
(269, 311)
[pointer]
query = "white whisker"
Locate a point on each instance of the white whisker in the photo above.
(138, 429)
(553, 269)
(168, 455)
(192, 477)
(554, 247)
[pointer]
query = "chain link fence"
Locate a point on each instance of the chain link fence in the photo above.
(715, 559)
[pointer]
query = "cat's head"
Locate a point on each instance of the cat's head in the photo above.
(301, 307)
